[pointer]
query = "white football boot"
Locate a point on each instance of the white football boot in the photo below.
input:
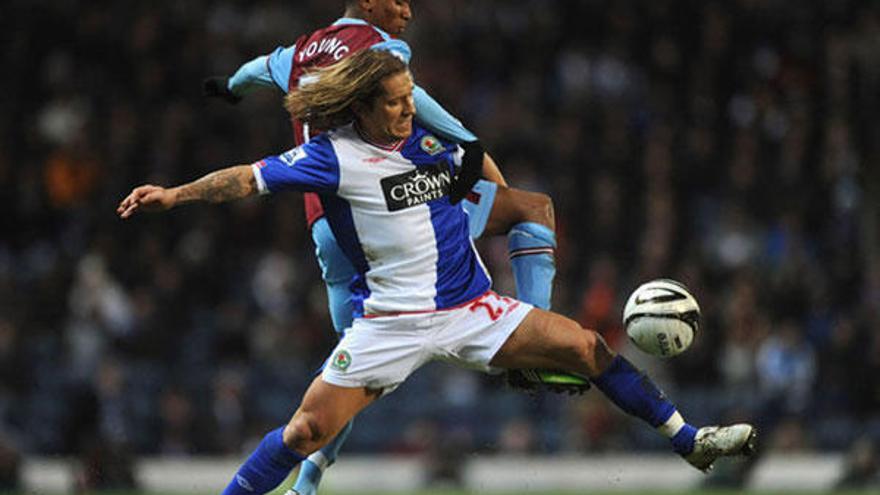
(713, 442)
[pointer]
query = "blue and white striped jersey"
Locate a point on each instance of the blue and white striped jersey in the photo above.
(389, 209)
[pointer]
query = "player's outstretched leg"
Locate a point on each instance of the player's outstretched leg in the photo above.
(528, 220)
(634, 392)
(546, 339)
(312, 469)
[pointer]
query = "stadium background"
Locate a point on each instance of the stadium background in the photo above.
(730, 145)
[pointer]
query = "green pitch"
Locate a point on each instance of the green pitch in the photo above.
(462, 492)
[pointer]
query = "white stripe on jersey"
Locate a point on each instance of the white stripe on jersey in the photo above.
(399, 246)
(389, 211)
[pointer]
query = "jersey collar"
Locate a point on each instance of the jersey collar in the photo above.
(351, 20)
(390, 148)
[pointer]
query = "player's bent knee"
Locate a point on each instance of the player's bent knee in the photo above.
(537, 208)
(545, 210)
(305, 433)
(595, 352)
(585, 352)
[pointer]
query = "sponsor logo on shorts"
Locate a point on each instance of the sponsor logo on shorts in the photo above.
(431, 145)
(416, 187)
(341, 360)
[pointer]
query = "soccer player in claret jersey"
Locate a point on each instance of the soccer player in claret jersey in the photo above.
(493, 208)
(422, 294)
(526, 217)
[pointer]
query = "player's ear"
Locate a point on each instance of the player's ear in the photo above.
(366, 5)
(359, 108)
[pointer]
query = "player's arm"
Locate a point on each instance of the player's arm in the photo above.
(265, 71)
(217, 187)
(491, 171)
(430, 113)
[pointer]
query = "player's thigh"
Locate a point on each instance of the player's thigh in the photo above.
(549, 340)
(513, 206)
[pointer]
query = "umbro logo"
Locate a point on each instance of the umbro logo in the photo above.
(243, 482)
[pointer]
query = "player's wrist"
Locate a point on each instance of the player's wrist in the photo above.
(174, 197)
(218, 87)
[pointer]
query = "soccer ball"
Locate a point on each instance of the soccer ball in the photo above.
(661, 317)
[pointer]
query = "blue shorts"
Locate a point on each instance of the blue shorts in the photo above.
(478, 212)
(337, 272)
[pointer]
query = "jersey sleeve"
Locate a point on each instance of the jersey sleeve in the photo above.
(398, 48)
(279, 66)
(312, 167)
(433, 116)
(251, 75)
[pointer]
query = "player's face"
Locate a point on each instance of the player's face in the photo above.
(391, 16)
(390, 117)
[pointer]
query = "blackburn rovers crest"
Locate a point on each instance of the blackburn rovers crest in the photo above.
(431, 145)
(341, 360)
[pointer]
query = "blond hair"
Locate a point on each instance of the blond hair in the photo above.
(325, 99)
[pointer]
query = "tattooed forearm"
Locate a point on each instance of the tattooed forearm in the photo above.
(223, 185)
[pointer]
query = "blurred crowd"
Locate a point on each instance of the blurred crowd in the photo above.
(731, 145)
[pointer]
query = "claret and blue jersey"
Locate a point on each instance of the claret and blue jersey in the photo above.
(389, 209)
(284, 67)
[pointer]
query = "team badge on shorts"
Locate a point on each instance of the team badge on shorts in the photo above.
(431, 145)
(341, 360)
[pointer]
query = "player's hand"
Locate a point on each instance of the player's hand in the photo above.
(218, 87)
(470, 172)
(147, 198)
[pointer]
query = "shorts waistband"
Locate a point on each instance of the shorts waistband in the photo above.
(429, 311)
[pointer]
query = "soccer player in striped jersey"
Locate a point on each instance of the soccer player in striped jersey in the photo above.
(493, 208)
(526, 217)
(420, 291)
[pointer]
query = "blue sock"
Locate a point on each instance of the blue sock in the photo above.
(266, 468)
(312, 469)
(683, 441)
(635, 393)
(531, 247)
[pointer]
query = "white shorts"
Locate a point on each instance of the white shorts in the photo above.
(381, 352)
